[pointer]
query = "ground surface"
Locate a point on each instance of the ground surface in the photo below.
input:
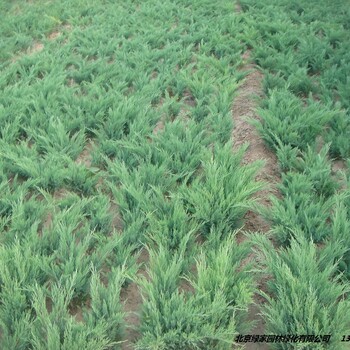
(129, 216)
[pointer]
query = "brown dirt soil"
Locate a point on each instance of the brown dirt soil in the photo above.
(37, 47)
(162, 120)
(46, 224)
(338, 165)
(76, 310)
(131, 297)
(117, 222)
(189, 99)
(159, 126)
(339, 170)
(244, 107)
(60, 194)
(132, 300)
(185, 284)
(57, 33)
(54, 35)
(85, 156)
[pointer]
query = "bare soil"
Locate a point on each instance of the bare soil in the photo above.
(244, 108)
(57, 33)
(132, 299)
(85, 156)
(159, 126)
(338, 165)
(339, 171)
(37, 47)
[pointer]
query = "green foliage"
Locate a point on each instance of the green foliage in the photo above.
(314, 166)
(219, 270)
(309, 195)
(302, 48)
(20, 269)
(57, 139)
(124, 119)
(338, 135)
(182, 146)
(98, 210)
(81, 179)
(61, 226)
(221, 196)
(58, 329)
(303, 295)
(313, 53)
(26, 163)
(171, 228)
(286, 121)
(207, 317)
(106, 310)
(153, 93)
(339, 239)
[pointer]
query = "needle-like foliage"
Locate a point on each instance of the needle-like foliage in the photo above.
(304, 296)
(221, 196)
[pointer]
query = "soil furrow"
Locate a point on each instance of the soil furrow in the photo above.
(244, 108)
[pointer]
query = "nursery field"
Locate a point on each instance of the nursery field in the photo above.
(174, 175)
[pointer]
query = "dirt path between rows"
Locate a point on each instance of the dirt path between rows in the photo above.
(244, 108)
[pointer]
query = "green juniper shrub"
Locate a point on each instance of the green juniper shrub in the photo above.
(299, 209)
(182, 147)
(98, 212)
(106, 309)
(304, 295)
(222, 194)
(21, 269)
(170, 227)
(285, 120)
(219, 269)
(318, 168)
(111, 77)
(338, 135)
(59, 140)
(58, 329)
(81, 179)
(171, 319)
(337, 246)
(287, 156)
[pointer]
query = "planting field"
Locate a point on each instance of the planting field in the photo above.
(174, 175)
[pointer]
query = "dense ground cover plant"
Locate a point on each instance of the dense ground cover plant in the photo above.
(112, 125)
(221, 195)
(116, 127)
(304, 48)
(188, 319)
(287, 121)
(305, 295)
(305, 119)
(309, 193)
